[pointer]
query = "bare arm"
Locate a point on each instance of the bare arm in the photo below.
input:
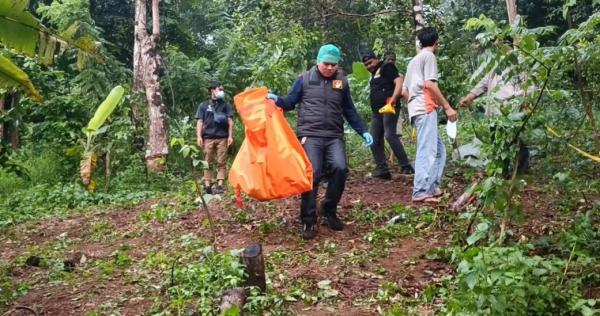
(397, 89)
(480, 88)
(468, 99)
(433, 87)
(199, 140)
(230, 132)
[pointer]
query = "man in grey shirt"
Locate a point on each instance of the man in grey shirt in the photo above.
(421, 90)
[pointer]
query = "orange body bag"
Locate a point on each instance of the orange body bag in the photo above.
(271, 163)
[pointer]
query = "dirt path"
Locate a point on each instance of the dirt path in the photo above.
(117, 252)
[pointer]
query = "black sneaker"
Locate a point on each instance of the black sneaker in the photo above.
(407, 170)
(334, 222)
(308, 231)
(219, 189)
(384, 175)
(208, 189)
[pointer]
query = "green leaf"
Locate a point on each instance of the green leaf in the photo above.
(185, 151)
(471, 280)
(232, 311)
(360, 72)
(18, 28)
(12, 76)
(105, 109)
(528, 42)
(177, 141)
(586, 311)
(479, 233)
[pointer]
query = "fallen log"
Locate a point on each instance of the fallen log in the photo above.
(231, 299)
(466, 198)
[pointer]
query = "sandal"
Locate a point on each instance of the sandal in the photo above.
(422, 198)
(431, 200)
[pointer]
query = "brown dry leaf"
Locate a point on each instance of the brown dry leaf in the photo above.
(87, 167)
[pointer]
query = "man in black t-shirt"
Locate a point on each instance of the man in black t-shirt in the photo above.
(214, 131)
(386, 87)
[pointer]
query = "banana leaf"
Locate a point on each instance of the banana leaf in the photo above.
(104, 110)
(19, 29)
(12, 76)
(360, 72)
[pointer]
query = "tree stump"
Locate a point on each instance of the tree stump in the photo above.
(252, 257)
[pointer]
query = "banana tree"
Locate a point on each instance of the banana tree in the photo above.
(21, 31)
(87, 166)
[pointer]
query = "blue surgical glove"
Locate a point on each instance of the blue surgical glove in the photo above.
(368, 138)
(272, 96)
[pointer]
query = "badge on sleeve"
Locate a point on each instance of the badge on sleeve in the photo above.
(337, 84)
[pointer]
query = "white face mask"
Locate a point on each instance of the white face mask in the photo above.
(220, 94)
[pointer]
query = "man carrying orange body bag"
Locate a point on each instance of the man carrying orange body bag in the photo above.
(324, 97)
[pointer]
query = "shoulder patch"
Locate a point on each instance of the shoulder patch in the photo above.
(338, 84)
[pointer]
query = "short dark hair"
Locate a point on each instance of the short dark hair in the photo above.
(213, 85)
(427, 36)
(368, 56)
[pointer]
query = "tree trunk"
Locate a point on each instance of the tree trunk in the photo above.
(147, 63)
(140, 34)
(511, 8)
(418, 19)
(15, 133)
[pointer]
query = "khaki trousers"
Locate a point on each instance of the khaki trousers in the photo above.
(218, 147)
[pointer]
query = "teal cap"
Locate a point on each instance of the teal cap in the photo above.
(328, 54)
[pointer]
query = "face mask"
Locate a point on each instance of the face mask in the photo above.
(220, 95)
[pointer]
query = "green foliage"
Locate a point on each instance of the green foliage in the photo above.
(505, 280)
(200, 284)
(42, 200)
(185, 81)
(10, 183)
(42, 166)
(9, 288)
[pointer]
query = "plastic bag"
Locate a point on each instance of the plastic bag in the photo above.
(271, 163)
(451, 129)
(388, 108)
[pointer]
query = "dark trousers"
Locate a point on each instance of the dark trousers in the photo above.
(324, 152)
(523, 167)
(383, 126)
(523, 157)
